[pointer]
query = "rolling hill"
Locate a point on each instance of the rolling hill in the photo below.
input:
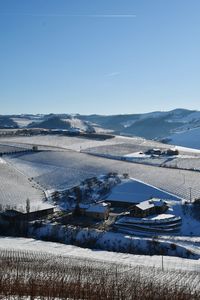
(178, 126)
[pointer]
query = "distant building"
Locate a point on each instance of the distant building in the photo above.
(171, 152)
(98, 211)
(35, 148)
(158, 152)
(148, 207)
(12, 215)
(154, 151)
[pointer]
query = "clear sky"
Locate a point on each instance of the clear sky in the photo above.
(99, 56)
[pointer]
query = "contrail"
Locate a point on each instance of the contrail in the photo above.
(70, 15)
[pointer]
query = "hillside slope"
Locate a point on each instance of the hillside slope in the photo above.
(188, 138)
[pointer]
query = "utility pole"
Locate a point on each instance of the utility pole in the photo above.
(190, 194)
(162, 263)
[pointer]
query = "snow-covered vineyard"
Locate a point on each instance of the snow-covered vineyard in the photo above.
(15, 188)
(61, 163)
(77, 143)
(59, 170)
(164, 271)
(10, 149)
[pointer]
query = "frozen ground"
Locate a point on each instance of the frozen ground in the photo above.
(80, 254)
(77, 143)
(170, 272)
(186, 161)
(119, 147)
(9, 148)
(63, 169)
(15, 188)
(188, 138)
(134, 191)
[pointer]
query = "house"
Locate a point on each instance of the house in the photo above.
(97, 211)
(158, 152)
(35, 148)
(171, 152)
(13, 216)
(154, 151)
(148, 207)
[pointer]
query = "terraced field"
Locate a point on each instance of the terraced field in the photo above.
(56, 265)
(122, 144)
(57, 169)
(15, 188)
(61, 165)
(4, 148)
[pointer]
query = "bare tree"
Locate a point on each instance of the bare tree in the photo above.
(28, 205)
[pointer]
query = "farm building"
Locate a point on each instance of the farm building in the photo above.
(35, 148)
(148, 207)
(12, 215)
(98, 211)
(154, 151)
(158, 152)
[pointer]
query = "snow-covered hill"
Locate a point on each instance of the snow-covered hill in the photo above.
(180, 125)
(188, 138)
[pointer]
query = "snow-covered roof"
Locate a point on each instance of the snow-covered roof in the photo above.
(145, 205)
(150, 203)
(98, 208)
(157, 201)
(135, 191)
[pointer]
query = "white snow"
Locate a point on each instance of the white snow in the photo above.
(194, 116)
(189, 138)
(186, 149)
(170, 262)
(150, 203)
(24, 121)
(135, 191)
(98, 208)
(64, 169)
(162, 217)
(15, 188)
(137, 155)
(2, 161)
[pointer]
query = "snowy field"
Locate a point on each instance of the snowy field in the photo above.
(78, 143)
(134, 191)
(118, 147)
(188, 138)
(9, 148)
(188, 159)
(185, 162)
(98, 256)
(15, 188)
(188, 162)
(63, 169)
(27, 255)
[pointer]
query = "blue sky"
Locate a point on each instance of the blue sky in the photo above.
(99, 56)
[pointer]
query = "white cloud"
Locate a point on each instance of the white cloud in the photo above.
(113, 16)
(71, 15)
